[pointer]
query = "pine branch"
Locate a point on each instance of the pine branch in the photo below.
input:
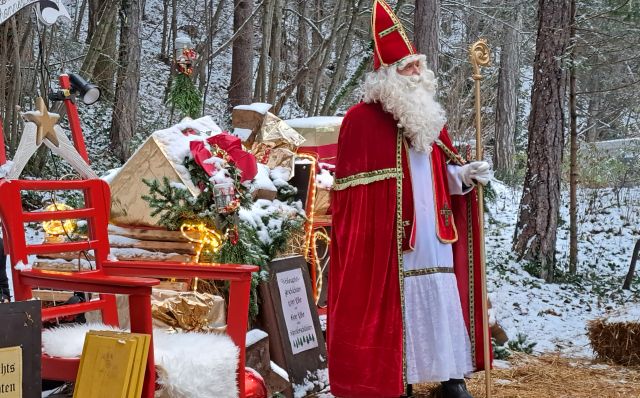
(185, 96)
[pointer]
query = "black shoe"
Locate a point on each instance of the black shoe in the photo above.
(5, 297)
(455, 388)
(409, 389)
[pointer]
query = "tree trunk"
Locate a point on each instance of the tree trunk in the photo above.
(17, 51)
(104, 31)
(326, 50)
(427, 28)
(165, 31)
(260, 91)
(593, 110)
(240, 88)
(276, 51)
(507, 101)
(632, 267)
(172, 46)
(79, 19)
(573, 163)
(538, 219)
(341, 64)
(125, 108)
(106, 64)
(4, 56)
(17, 85)
(303, 51)
(95, 11)
(213, 28)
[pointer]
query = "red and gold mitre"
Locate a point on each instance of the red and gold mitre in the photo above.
(390, 41)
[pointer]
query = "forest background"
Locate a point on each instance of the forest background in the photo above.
(565, 75)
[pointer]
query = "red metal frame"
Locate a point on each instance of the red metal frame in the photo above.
(74, 118)
(138, 289)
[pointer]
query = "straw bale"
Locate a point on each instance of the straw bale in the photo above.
(618, 342)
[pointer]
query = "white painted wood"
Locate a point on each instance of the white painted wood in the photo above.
(65, 150)
(26, 149)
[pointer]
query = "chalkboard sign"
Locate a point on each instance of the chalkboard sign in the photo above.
(20, 349)
(289, 316)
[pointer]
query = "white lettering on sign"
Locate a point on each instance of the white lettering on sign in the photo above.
(9, 7)
(296, 311)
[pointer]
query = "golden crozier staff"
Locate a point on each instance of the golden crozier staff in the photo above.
(479, 53)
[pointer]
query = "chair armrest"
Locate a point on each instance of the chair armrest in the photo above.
(173, 269)
(90, 281)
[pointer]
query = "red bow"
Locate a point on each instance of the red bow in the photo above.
(245, 161)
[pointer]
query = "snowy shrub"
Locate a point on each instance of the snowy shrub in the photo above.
(614, 168)
(521, 344)
(500, 351)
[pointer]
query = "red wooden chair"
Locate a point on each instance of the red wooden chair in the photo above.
(13, 219)
(98, 200)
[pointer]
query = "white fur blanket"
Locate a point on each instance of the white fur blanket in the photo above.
(189, 365)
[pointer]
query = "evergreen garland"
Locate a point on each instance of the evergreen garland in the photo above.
(174, 204)
(185, 97)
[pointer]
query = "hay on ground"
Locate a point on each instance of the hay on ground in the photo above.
(552, 376)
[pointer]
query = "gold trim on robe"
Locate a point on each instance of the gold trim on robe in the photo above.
(366, 177)
(428, 271)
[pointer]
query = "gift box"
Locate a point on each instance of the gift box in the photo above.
(272, 141)
(318, 130)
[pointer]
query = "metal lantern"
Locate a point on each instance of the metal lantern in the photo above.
(224, 195)
(182, 43)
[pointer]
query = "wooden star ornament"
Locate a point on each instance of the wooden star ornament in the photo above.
(42, 128)
(45, 122)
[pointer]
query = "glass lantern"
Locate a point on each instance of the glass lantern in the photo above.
(224, 194)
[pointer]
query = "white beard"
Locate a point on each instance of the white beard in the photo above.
(411, 100)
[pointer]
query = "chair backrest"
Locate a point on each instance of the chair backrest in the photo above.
(13, 216)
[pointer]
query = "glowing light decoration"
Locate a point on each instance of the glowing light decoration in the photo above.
(208, 240)
(320, 262)
(57, 229)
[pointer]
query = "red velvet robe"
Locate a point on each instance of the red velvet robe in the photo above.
(373, 223)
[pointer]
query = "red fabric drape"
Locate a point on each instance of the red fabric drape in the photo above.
(364, 334)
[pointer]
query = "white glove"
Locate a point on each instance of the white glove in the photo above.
(474, 172)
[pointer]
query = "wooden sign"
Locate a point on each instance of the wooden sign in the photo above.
(296, 310)
(289, 316)
(11, 372)
(9, 8)
(20, 349)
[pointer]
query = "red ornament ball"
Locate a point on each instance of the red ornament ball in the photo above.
(254, 384)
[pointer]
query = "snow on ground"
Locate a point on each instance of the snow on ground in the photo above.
(554, 316)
